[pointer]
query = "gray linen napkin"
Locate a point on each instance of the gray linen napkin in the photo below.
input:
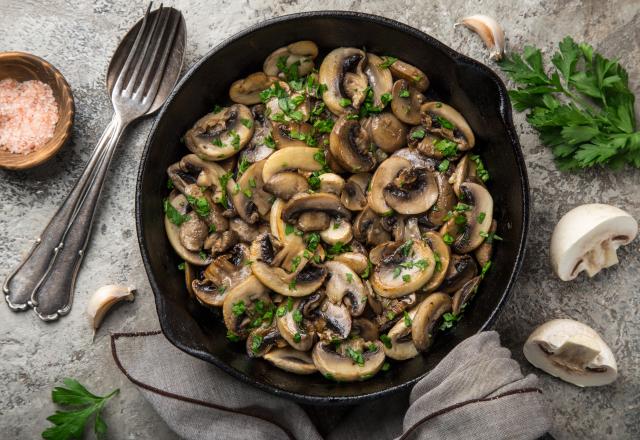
(475, 392)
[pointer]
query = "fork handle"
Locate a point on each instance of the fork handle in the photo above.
(46, 277)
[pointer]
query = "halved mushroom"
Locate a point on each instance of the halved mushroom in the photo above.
(463, 171)
(572, 351)
(465, 294)
(383, 176)
(400, 345)
(288, 135)
(344, 284)
(416, 77)
(442, 256)
(245, 232)
(259, 147)
(354, 193)
(386, 131)
(461, 269)
(221, 275)
(445, 202)
(379, 79)
(447, 122)
(301, 53)
(485, 250)
(293, 328)
(262, 339)
(406, 102)
(247, 91)
(365, 329)
(328, 203)
(286, 184)
(208, 173)
(406, 270)
(341, 71)
(339, 231)
(357, 261)
(247, 194)
(427, 315)
(239, 308)
(412, 191)
(291, 360)
(417, 159)
(478, 218)
(367, 228)
(335, 322)
(350, 145)
(309, 279)
(348, 361)
(331, 183)
(193, 232)
(302, 158)
(179, 202)
(217, 136)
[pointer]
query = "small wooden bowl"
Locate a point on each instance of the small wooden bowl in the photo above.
(24, 67)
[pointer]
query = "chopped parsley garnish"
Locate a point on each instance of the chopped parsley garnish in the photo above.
(295, 262)
(460, 220)
(269, 142)
(181, 266)
(385, 98)
(297, 316)
(404, 93)
(203, 255)
(349, 277)
(217, 108)
(323, 125)
(481, 171)
(387, 62)
(313, 240)
(238, 308)
(292, 285)
(449, 320)
(444, 166)
(290, 71)
(344, 102)
(282, 310)
(173, 215)
(256, 343)
(235, 139)
(489, 237)
(421, 264)
(297, 337)
(436, 257)
(386, 340)
(356, 356)
(372, 347)
(405, 249)
(396, 272)
(462, 207)
(448, 239)
(481, 217)
(170, 183)
(252, 182)
(406, 278)
(223, 180)
(247, 192)
(418, 134)
(314, 181)
(388, 213)
(243, 165)
(447, 147)
(386, 366)
(445, 122)
(485, 268)
(338, 248)
(212, 228)
(289, 304)
(217, 142)
(288, 229)
(390, 315)
(407, 319)
(246, 122)
(232, 336)
(367, 271)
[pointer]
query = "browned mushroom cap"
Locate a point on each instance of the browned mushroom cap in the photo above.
(367, 228)
(464, 294)
(291, 360)
(247, 91)
(442, 255)
(302, 158)
(379, 79)
(217, 136)
(412, 191)
(262, 339)
(179, 202)
(354, 193)
(331, 183)
(286, 185)
(341, 71)
(335, 320)
(221, 275)
(287, 135)
(248, 195)
(447, 122)
(415, 76)
(400, 346)
(301, 53)
(386, 131)
(245, 232)
(344, 284)
(193, 232)
(479, 216)
(357, 262)
(384, 175)
(461, 269)
(445, 202)
(239, 308)
(218, 242)
(313, 221)
(406, 270)
(292, 327)
(365, 329)
(427, 316)
(485, 250)
(417, 159)
(349, 361)
(406, 102)
(350, 145)
(328, 203)
(306, 281)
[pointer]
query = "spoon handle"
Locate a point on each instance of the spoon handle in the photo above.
(49, 271)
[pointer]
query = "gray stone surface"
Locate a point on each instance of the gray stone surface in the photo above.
(79, 37)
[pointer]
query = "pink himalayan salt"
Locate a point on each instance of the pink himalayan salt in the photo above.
(28, 115)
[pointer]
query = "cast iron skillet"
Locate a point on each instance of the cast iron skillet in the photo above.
(467, 85)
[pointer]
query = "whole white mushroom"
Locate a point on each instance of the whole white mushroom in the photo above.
(587, 237)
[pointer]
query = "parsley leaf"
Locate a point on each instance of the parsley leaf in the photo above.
(173, 215)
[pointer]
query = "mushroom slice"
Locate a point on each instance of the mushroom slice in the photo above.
(249, 197)
(209, 173)
(384, 175)
(413, 191)
(445, 202)
(245, 232)
(301, 53)
(341, 71)
(355, 360)
(465, 294)
(354, 193)
(302, 158)
(291, 360)
(587, 238)
(387, 132)
(350, 145)
(292, 327)
(485, 250)
(365, 329)
(406, 270)
(217, 136)
(331, 183)
(286, 184)
(305, 282)
(180, 204)
(465, 169)
(247, 91)
(445, 121)
(339, 231)
(261, 340)
(428, 313)
(313, 221)
(357, 262)
(417, 159)
(239, 308)
(336, 320)
(367, 227)
(406, 102)
(379, 79)
(400, 345)
(287, 135)
(478, 217)
(442, 256)
(324, 202)
(571, 351)
(193, 232)
(344, 284)
(461, 269)
(416, 77)
(258, 148)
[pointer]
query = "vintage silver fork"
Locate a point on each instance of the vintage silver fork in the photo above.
(142, 73)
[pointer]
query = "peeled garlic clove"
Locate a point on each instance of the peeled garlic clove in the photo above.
(490, 31)
(571, 351)
(587, 237)
(104, 298)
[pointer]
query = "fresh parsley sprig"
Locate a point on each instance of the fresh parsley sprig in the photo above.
(582, 109)
(71, 424)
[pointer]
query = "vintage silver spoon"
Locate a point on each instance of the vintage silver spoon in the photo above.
(141, 74)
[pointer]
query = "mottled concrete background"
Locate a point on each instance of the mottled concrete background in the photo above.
(79, 38)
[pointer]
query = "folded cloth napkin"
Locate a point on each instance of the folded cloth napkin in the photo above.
(476, 392)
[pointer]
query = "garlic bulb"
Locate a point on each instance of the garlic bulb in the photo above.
(104, 299)
(490, 31)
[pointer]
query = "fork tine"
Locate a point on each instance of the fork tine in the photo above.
(152, 57)
(143, 52)
(159, 70)
(130, 57)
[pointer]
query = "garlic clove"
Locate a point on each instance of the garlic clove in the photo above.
(571, 351)
(104, 299)
(587, 237)
(490, 31)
